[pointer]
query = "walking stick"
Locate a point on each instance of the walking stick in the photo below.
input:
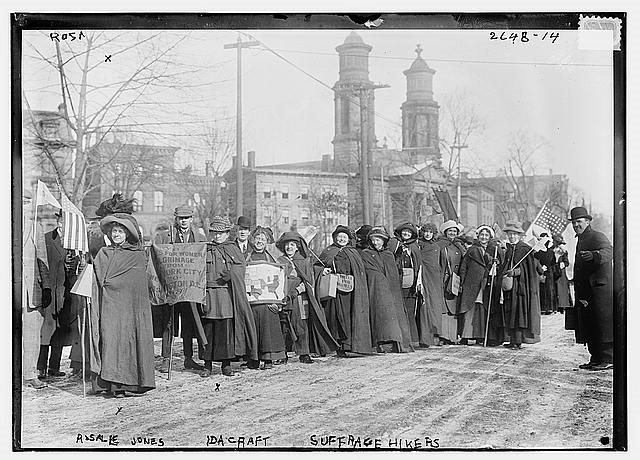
(82, 336)
(170, 342)
(493, 275)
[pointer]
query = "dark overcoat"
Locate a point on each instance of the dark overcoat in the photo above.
(593, 283)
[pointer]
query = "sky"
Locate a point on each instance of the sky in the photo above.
(551, 90)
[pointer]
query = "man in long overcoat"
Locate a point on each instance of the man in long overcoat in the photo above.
(592, 279)
(59, 320)
(186, 312)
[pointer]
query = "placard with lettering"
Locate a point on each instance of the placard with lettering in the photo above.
(181, 269)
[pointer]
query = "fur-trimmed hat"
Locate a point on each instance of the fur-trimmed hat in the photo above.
(486, 227)
(266, 231)
(343, 229)
(380, 232)
(406, 226)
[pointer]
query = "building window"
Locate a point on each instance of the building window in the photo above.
(285, 216)
(137, 170)
(285, 191)
(304, 192)
(157, 170)
(158, 201)
(267, 216)
(266, 190)
(304, 217)
(137, 205)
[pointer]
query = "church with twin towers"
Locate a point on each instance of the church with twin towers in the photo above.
(408, 184)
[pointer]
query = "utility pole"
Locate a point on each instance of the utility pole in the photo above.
(363, 91)
(239, 179)
(458, 146)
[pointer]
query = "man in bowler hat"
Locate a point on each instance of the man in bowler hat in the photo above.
(242, 234)
(592, 279)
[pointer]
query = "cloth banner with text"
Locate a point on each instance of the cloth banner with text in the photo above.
(181, 271)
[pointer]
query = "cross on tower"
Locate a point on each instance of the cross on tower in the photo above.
(418, 49)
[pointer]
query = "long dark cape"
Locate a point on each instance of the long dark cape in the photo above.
(388, 319)
(355, 304)
(121, 318)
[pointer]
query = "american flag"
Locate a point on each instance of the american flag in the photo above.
(75, 227)
(550, 221)
(545, 222)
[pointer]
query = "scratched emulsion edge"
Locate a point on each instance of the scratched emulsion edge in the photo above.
(336, 20)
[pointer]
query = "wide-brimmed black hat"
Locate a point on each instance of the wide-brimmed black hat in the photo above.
(126, 220)
(343, 229)
(579, 213)
(293, 236)
(406, 226)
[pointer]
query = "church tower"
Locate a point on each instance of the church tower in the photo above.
(353, 79)
(420, 113)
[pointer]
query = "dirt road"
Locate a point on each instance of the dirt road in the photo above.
(444, 397)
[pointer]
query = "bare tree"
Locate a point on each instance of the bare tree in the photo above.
(324, 208)
(108, 82)
(460, 123)
(215, 148)
(524, 158)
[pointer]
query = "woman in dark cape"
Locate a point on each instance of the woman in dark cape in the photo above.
(547, 259)
(227, 318)
(475, 280)
(563, 294)
(452, 252)
(407, 255)
(122, 314)
(271, 345)
(348, 313)
(389, 324)
(307, 318)
(522, 301)
(431, 307)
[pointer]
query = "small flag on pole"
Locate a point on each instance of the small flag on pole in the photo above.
(84, 284)
(44, 196)
(75, 227)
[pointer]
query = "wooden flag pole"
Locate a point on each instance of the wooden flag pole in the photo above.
(170, 343)
(82, 337)
(493, 277)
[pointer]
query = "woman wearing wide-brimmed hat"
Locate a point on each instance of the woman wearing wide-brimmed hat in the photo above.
(121, 322)
(475, 280)
(310, 332)
(347, 313)
(432, 306)
(522, 299)
(389, 325)
(271, 346)
(563, 294)
(227, 318)
(407, 254)
(452, 253)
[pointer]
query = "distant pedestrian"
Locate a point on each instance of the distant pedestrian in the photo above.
(592, 278)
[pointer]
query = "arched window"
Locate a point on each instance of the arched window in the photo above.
(137, 205)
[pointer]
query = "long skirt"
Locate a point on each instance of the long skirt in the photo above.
(409, 302)
(220, 339)
(449, 322)
(270, 339)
